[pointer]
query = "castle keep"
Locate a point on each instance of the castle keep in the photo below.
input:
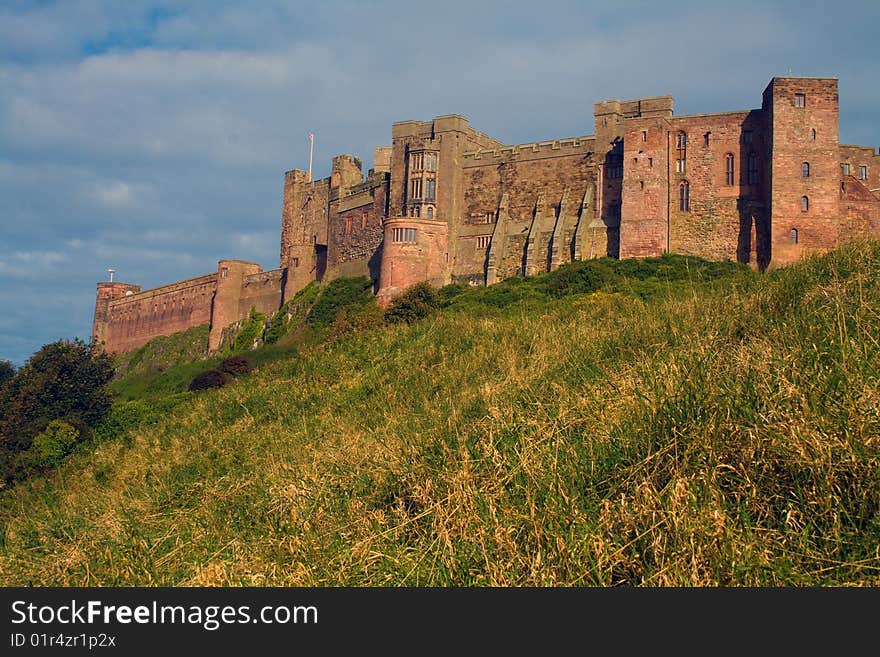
(445, 203)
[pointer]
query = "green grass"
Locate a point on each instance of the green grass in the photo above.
(696, 428)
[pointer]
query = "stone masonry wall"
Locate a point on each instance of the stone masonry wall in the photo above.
(136, 319)
(526, 174)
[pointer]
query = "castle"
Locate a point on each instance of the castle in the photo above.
(445, 203)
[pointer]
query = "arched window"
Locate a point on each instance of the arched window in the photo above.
(684, 196)
(728, 169)
(813, 134)
(805, 204)
(681, 140)
(805, 170)
(430, 212)
(794, 236)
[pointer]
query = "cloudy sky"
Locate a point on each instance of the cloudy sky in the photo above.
(153, 136)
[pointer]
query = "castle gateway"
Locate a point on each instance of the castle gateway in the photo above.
(445, 203)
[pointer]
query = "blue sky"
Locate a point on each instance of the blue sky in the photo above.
(153, 136)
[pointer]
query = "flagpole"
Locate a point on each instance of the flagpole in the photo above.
(311, 149)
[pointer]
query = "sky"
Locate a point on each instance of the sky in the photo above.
(152, 137)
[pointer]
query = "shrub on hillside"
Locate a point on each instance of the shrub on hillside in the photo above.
(292, 313)
(235, 365)
(208, 379)
(416, 302)
(64, 380)
(350, 294)
(352, 320)
(54, 443)
(580, 277)
(251, 331)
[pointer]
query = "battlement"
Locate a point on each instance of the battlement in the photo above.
(653, 106)
(555, 146)
(178, 286)
(444, 123)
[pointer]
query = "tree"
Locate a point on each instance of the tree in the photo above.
(7, 371)
(64, 380)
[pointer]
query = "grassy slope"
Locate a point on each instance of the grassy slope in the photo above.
(711, 435)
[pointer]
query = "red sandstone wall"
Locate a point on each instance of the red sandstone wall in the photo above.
(792, 145)
(261, 291)
(135, 320)
(405, 264)
(355, 229)
(523, 172)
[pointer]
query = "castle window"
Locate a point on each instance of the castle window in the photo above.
(347, 225)
(650, 162)
(863, 172)
(483, 241)
(728, 169)
(805, 170)
(296, 262)
(805, 204)
(430, 212)
(430, 189)
(490, 217)
(800, 100)
(430, 161)
(416, 188)
(644, 135)
(681, 154)
(684, 196)
(403, 235)
(224, 272)
(794, 236)
(706, 139)
(753, 169)
(845, 168)
(641, 184)
(813, 134)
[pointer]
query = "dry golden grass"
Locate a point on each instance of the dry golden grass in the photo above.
(713, 435)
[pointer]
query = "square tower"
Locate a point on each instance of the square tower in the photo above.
(805, 168)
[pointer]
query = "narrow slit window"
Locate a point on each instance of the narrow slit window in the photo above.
(805, 204)
(729, 169)
(805, 170)
(794, 235)
(684, 197)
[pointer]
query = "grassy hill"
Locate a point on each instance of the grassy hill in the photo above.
(686, 424)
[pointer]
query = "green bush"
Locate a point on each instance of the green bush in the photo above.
(64, 380)
(292, 313)
(341, 293)
(350, 320)
(251, 330)
(51, 446)
(235, 365)
(208, 379)
(414, 303)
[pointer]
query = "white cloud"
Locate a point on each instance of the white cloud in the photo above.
(114, 195)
